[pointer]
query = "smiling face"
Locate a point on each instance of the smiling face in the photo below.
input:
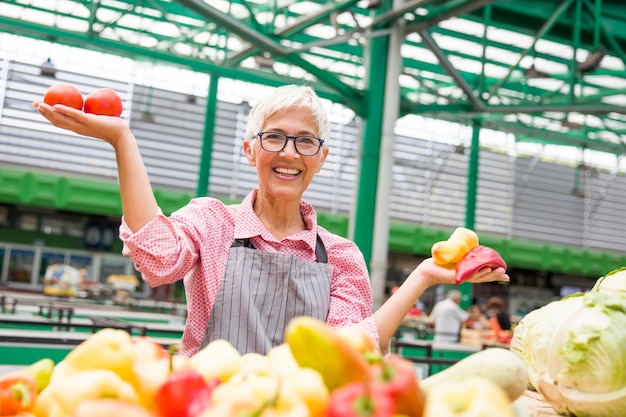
(284, 176)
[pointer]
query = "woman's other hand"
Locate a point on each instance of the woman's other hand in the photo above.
(436, 274)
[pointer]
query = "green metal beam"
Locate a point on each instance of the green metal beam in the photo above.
(266, 44)
(296, 28)
(80, 40)
(204, 173)
(364, 210)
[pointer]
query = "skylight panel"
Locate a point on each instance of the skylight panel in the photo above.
(465, 26)
(321, 31)
(304, 7)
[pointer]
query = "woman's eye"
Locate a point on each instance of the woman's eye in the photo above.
(306, 141)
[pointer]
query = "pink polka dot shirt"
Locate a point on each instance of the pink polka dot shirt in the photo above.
(192, 244)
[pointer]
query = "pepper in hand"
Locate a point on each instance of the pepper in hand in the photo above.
(18, 392)
(476, 259)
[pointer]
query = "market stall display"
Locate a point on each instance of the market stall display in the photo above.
(123, 286)
(318, 371)
(62, 280)
(565, 358)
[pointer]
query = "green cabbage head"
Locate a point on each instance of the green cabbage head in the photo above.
(575, 350)
(612, 283)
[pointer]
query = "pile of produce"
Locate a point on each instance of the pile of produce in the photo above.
(318, 371)
(575, 350)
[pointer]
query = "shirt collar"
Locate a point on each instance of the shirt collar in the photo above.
(248, 225)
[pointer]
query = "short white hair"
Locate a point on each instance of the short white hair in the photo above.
(454, 295)
(288, 97)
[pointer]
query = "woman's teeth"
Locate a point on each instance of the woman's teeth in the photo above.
(287, 171)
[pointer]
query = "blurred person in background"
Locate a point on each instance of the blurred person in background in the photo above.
(498, 316)
(478, 319)
(499, 320)
(448, 317)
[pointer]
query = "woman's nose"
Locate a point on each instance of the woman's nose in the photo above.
(290, 147)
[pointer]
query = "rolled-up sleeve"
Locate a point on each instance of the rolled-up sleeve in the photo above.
(161, 250)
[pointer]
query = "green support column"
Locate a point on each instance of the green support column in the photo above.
(470, 201)
(363, 228)
(207, 140)
(472, 178)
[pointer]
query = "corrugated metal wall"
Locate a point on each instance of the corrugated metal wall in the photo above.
(518, 197)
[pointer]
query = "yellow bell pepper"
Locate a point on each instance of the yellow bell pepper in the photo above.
(250, 394)
(308, 385)
(219, 359)
(90, 384)
(305, 383)
(468, 397)
(110, 349)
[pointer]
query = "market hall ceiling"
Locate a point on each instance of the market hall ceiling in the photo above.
(549, 71)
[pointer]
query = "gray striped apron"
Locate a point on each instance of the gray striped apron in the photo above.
(261, 291)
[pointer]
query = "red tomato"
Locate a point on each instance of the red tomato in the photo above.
(104, 101)
(185, 393)
(64, 94)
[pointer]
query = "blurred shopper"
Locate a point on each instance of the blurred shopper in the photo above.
(478, 319)
(499, 318)
(448, 317)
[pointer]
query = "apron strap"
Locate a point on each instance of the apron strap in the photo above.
(243, 243)
(320, 249)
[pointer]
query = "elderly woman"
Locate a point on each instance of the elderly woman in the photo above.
(249, 268)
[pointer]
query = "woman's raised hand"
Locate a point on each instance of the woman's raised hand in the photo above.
(107, 128)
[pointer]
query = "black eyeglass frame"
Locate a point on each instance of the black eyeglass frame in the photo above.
(287, 139)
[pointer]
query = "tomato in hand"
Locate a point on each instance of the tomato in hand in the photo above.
(104, 101)
(65, 94)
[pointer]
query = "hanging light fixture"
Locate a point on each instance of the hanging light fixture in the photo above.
(593, 61)
(571, 124)
(147, 115)
(264, 62)
(533, 72)
(47, 69)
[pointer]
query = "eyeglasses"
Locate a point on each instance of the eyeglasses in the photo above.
(276, 142)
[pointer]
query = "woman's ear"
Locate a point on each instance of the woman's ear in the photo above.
(248, 149)
(320, 163)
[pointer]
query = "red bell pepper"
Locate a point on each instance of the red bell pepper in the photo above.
(18, 392)
(476, 259)
(185, 393)
(360, 399)
(396, 376)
